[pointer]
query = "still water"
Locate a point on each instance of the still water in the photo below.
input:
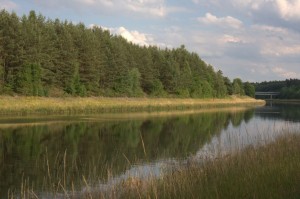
(71, 152)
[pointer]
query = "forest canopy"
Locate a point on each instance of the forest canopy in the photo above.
(44, 57)
(288, 89)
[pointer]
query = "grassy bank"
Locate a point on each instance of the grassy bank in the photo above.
(271, 171)
(43, 105)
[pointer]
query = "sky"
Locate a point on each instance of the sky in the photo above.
(255, 40)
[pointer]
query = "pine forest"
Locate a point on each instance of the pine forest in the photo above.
(44, 57)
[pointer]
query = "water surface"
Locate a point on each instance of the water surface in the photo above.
(102, 150)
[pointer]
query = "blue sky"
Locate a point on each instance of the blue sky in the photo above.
(254, 40)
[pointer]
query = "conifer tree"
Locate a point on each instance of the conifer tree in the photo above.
(238, 88)
(10, 41)
(40, 57)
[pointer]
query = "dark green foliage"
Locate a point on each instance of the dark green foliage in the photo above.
(249, 89)
(219, 85)
(238, 87)
(289, 89)
(28, 80)
(158, 88)
(45, 57)
(134, 82)
(228, 85)
(74, 86)
(1, 76)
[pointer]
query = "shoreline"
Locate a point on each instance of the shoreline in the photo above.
(22, 105)
(289, 101)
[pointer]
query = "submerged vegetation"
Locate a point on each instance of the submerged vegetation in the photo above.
(44, 57)
(69, 105)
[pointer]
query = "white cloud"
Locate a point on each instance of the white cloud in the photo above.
(281, 72)
(155, 8)
(281, 50)
(152, 7)
(148, 8)
(230, 39)
(268, 28)
(276, 41)
(134, 36)
(222, 21)
(8, 5)
(253, 4)
(289, 10)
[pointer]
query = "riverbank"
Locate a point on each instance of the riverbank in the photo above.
(270, 171)
(46, 105)
(284, 101)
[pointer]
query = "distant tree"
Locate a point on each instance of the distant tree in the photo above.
(29, 80)
(185, 80)
(228, 85)
(169, 73)
(11, 38)
(87, 50)
(219, 85)
(197, 88)
(207, 89)
(134, 86)
(249, 89)
(158, 89)
(238, 88)
(1, 78)
(146, 69)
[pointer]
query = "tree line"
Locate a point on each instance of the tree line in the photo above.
(44, 57)
(289, 88)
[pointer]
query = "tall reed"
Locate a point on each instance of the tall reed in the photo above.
(270, 171)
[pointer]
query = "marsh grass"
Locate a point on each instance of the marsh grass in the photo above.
(65, 178)
(44, 105)
(270, 171)
(266, 171)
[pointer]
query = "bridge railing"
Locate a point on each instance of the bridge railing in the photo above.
(271, 94)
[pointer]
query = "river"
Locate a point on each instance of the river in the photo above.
(65, 153)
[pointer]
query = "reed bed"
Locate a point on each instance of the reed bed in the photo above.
(268, 171)
(21, 105)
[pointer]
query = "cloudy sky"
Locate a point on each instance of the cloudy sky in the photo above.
(255, 40)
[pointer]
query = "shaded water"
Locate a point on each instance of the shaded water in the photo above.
(102, 150)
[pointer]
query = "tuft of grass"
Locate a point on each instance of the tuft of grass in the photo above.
(21, 105)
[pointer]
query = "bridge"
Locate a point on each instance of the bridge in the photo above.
(271, 94)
